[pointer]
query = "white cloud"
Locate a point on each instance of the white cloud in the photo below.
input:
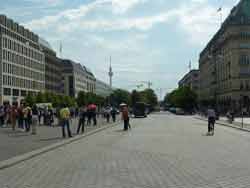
(122, 6)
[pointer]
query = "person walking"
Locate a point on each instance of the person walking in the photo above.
(20, 116)
(13, 115)
(65, 117)
(2, 116)
(39, 115)
(89, 115)
(27, 118)
(50, 116)
(82, 119)
(107, 112)
(113, 114)
(211, 120)
(34, 119)
(125, 117)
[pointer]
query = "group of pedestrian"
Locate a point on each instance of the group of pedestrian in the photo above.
(22, 116)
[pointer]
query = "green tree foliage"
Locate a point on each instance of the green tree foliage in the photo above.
(81, 98)
(40, 98)
(182, 97)
(148, 96)
(120, 96)
(30, 100)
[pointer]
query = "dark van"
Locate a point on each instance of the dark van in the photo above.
(140, 109)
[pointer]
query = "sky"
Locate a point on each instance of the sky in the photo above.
(148, 40)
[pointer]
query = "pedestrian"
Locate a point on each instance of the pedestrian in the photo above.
(13, 115)
(89, 116)
(20, 116)
(1, 116)
(34, 119)
(211, 120)
(108, 114)
(113, 114)
(27, 118)
(125, 117)
(82, 119)
(65, 116)
(94, 117)
(50, 116)
(39, 115)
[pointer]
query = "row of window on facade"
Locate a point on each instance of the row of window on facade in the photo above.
(21, 60)
(244, 85)
(17, 92)
(20, 48)
(11, 25)
(23, 72)
(22, 83)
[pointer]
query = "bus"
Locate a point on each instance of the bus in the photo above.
(140, 109)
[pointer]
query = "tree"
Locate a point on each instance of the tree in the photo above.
(40, 98)
(120, 96)
(30, 99)
(81, 98)
(148, 96)
(182, 97)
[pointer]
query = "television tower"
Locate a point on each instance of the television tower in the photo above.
(111, 74)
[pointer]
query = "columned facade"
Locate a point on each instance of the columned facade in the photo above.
(225, 62)
(22, 62)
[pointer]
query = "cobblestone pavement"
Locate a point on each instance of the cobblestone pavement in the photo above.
(161, 151)
(13, 143)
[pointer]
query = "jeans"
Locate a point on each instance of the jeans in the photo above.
(81, 124)
(27, 124)
(126, 122)
(20, 122)
(211, 122)
(65, 122)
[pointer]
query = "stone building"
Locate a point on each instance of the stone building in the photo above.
(73, 78)
(192, 80)
(103, 89)
(90, 80)
(22, 69)
(53, 69)
(225, 62)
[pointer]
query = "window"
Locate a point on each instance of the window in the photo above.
(241, 85)
(6, 91)
(23, 93)
(244, 60)
(15, 92)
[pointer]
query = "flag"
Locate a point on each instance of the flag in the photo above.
(219, 9)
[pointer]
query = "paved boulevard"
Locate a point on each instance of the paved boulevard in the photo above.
(161, 151)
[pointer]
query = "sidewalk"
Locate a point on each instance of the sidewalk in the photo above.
(14, 143)
(237, 124)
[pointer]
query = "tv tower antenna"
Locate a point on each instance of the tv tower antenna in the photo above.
(111, 74)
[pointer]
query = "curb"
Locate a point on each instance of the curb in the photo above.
(226, 125)
(24, 157)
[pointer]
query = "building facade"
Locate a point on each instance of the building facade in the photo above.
(90, 80)
(53, 69)
(22, 61)
(225, 62)
(103, 89)
(73, 78)
(192, 80)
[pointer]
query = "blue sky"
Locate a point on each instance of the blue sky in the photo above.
(148, 39)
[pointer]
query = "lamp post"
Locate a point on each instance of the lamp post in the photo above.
(242, 103)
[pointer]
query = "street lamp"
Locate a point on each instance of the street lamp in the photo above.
(241, 104)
